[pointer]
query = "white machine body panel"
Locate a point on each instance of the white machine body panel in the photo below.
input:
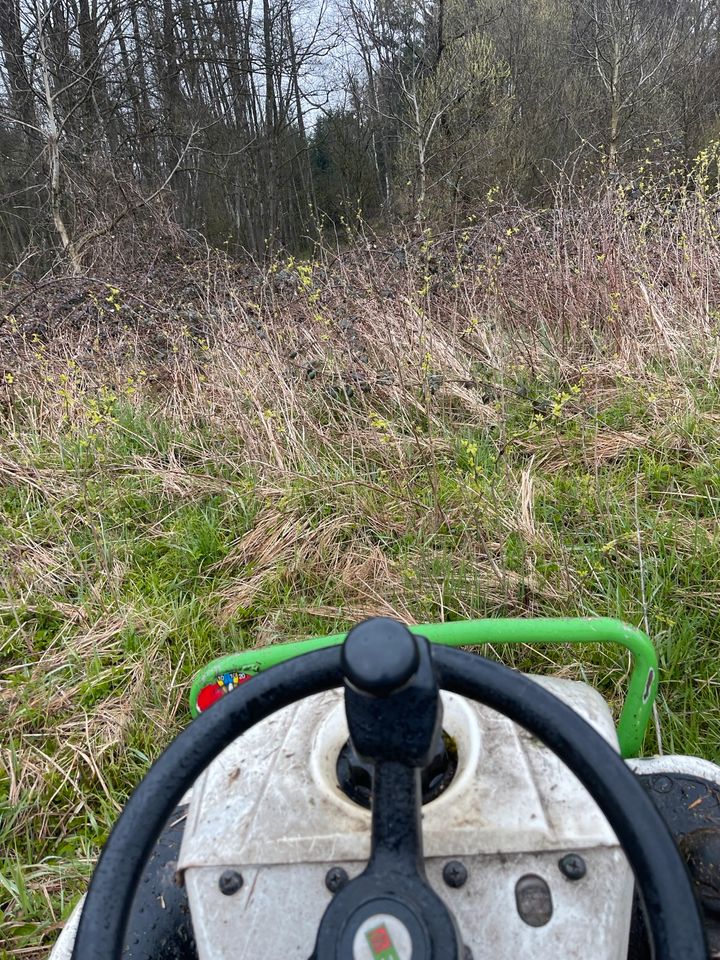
(270, 807)
(277, 912)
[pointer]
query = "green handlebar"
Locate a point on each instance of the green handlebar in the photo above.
(468, 633)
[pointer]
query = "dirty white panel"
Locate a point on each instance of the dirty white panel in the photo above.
(270, 807)
(677, 764)
(272, 797)
(279, 908)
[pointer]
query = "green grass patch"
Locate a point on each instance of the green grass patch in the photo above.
(134, 550)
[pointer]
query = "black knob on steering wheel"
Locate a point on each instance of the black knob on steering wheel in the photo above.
(394, 714)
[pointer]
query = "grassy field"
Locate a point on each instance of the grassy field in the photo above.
(253, 457)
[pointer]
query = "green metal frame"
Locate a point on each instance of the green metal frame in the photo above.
(641, 692)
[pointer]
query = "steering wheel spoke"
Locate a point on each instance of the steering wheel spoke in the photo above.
(394, 715)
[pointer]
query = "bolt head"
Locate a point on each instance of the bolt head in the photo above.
(662, 784)
(230, 882)
(455, 874)
(572, 866)
(336, 878)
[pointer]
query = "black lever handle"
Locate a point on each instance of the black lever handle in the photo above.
(392, 699)
(394, 714)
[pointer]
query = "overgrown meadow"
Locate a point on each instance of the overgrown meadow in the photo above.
(518, 417)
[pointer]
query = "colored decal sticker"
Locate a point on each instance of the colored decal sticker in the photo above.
(381, 944)
(382, 936)
(207, 696)
(224, 683)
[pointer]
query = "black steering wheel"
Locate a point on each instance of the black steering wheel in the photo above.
(392, 680)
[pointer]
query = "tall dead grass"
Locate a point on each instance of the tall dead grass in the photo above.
(418, 330)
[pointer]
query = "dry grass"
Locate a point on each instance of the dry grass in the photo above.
(426, 427)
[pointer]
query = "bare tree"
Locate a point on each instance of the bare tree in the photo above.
(630, 45)
(241, 118)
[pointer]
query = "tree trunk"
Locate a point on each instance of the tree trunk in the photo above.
(20, 89)
(53, 152)
(271, 188)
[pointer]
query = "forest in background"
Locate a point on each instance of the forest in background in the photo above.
(259, 125)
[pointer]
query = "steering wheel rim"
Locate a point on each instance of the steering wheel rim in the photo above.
(672, 913)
